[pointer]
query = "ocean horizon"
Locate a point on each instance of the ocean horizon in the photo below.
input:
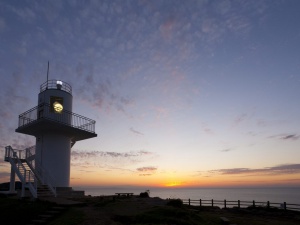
(290, 195)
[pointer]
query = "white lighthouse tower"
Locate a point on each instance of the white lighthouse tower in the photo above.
(56, 129)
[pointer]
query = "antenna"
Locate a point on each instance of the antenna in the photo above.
(47, 73)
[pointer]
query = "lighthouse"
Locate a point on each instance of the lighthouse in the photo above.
(56, 129)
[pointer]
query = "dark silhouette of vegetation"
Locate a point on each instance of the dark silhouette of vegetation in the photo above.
(175, 203)
(161, 215)
(145, 194)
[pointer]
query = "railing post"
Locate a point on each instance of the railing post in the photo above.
(284, 205)
(212, 203)
(253, 203)
(5, 153)
(200, 202)
(268, 204)
(239, 204)
(189, 201)
(225, 203)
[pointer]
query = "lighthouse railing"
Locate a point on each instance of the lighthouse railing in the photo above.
(26, 176)
(30, 155)
(53, 84)
(44, 177)
(43, 111)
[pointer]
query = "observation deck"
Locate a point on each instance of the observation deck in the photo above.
(40, 119)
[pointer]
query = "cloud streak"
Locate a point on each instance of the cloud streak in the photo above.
(226, 150)
(107, 159)
(135, 131)
(146, 171)
(292, 137)
(275, 170)
(90, 154)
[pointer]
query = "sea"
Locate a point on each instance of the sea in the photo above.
(290, 195)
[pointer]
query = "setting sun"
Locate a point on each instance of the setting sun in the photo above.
(173, 184)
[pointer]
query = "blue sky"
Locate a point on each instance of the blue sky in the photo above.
(182, 91)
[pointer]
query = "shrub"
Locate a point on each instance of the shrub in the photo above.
(144, 194)
(175, 203)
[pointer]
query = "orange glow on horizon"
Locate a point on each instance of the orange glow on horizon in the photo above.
(104, 178)
(173, 184)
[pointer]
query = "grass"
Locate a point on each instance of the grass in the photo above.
(72, 216)
(168, 215)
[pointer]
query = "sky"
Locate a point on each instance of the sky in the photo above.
(195, 93)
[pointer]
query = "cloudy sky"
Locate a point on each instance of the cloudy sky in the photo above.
(191, 93)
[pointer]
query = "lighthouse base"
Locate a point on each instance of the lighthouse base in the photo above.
(68, 192)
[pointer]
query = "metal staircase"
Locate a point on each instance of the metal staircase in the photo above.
(29, 172)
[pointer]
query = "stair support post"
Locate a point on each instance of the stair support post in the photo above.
(12, 186)
(23, 190)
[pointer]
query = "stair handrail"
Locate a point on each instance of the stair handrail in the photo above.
(42, 174)
(30, 153)
(10, 152)
(45, 177)
(27, 179)
(31, 163)
(30, 159)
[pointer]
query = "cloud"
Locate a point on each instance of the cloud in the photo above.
(25, 13)
(226, 150)
(103, 92)
(107, 159)
(239, 119)
(147, 169)
(209, 131)
(135, 131)
(161, 112)
(5, 171)
(4, 174)
(167, 28)
(293, 137)
(87, 171)
(275, 170)
(88, 154)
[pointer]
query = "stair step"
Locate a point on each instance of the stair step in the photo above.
(39, 221)
(46, 216)
(59, 208)
(52, 212)
(45, 195)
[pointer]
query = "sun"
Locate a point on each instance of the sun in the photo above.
(173, 184)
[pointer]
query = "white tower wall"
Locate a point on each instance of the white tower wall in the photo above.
(53, 148)
(53, 152)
